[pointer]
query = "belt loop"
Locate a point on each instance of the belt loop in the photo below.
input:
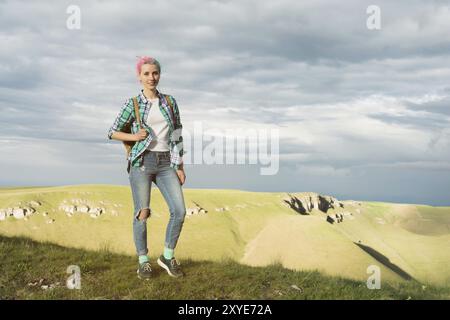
(160, 156)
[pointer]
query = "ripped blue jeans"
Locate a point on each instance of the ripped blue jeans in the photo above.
(156, 166)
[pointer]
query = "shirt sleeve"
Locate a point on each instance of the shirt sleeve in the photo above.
(123, 119)
(177, 150)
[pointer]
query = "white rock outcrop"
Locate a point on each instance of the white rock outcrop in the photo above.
(19, 213)
(195, 210)
(97, 211)
(83, 209)
(335, 210)
(34, 203)
(68, 208)
(223, 209)
(304, 203)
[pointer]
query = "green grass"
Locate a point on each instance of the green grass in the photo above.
(106, 275)
(258, 229)
(222, 234)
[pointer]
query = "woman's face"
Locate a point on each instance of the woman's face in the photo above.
(149, 76)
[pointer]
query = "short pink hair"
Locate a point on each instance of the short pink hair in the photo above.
(146, 60)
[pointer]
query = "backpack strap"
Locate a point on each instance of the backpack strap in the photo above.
(171, 108)
(136, 111)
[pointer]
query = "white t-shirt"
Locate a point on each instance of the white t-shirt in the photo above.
(158, 123)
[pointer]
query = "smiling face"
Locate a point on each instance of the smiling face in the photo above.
(149, 76)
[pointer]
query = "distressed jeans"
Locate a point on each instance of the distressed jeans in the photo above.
(156, 165)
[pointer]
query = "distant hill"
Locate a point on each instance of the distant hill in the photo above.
(300, 231)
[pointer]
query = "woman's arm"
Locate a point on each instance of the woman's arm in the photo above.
(122, 136)
(122, 121)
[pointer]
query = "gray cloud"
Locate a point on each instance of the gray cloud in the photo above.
(439, 107)
(348, 101)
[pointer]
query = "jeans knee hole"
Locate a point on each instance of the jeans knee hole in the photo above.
(143, 214)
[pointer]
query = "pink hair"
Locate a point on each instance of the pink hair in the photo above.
(146, 60)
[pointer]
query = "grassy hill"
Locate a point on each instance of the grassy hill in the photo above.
(258, 229)
(28, 265)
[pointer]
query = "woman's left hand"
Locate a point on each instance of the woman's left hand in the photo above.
(181, 175)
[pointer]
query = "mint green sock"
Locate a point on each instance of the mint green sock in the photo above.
(168, 253)
(143, 259)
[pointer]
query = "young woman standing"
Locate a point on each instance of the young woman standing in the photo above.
(156, 156)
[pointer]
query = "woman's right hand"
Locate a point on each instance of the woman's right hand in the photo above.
(140, 135)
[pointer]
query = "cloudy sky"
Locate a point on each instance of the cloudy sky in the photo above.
(362, 114)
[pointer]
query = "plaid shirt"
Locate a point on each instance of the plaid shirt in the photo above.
(127, 118)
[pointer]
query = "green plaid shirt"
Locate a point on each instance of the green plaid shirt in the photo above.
(127, 119)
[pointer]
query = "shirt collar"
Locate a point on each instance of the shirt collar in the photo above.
(144, 99)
